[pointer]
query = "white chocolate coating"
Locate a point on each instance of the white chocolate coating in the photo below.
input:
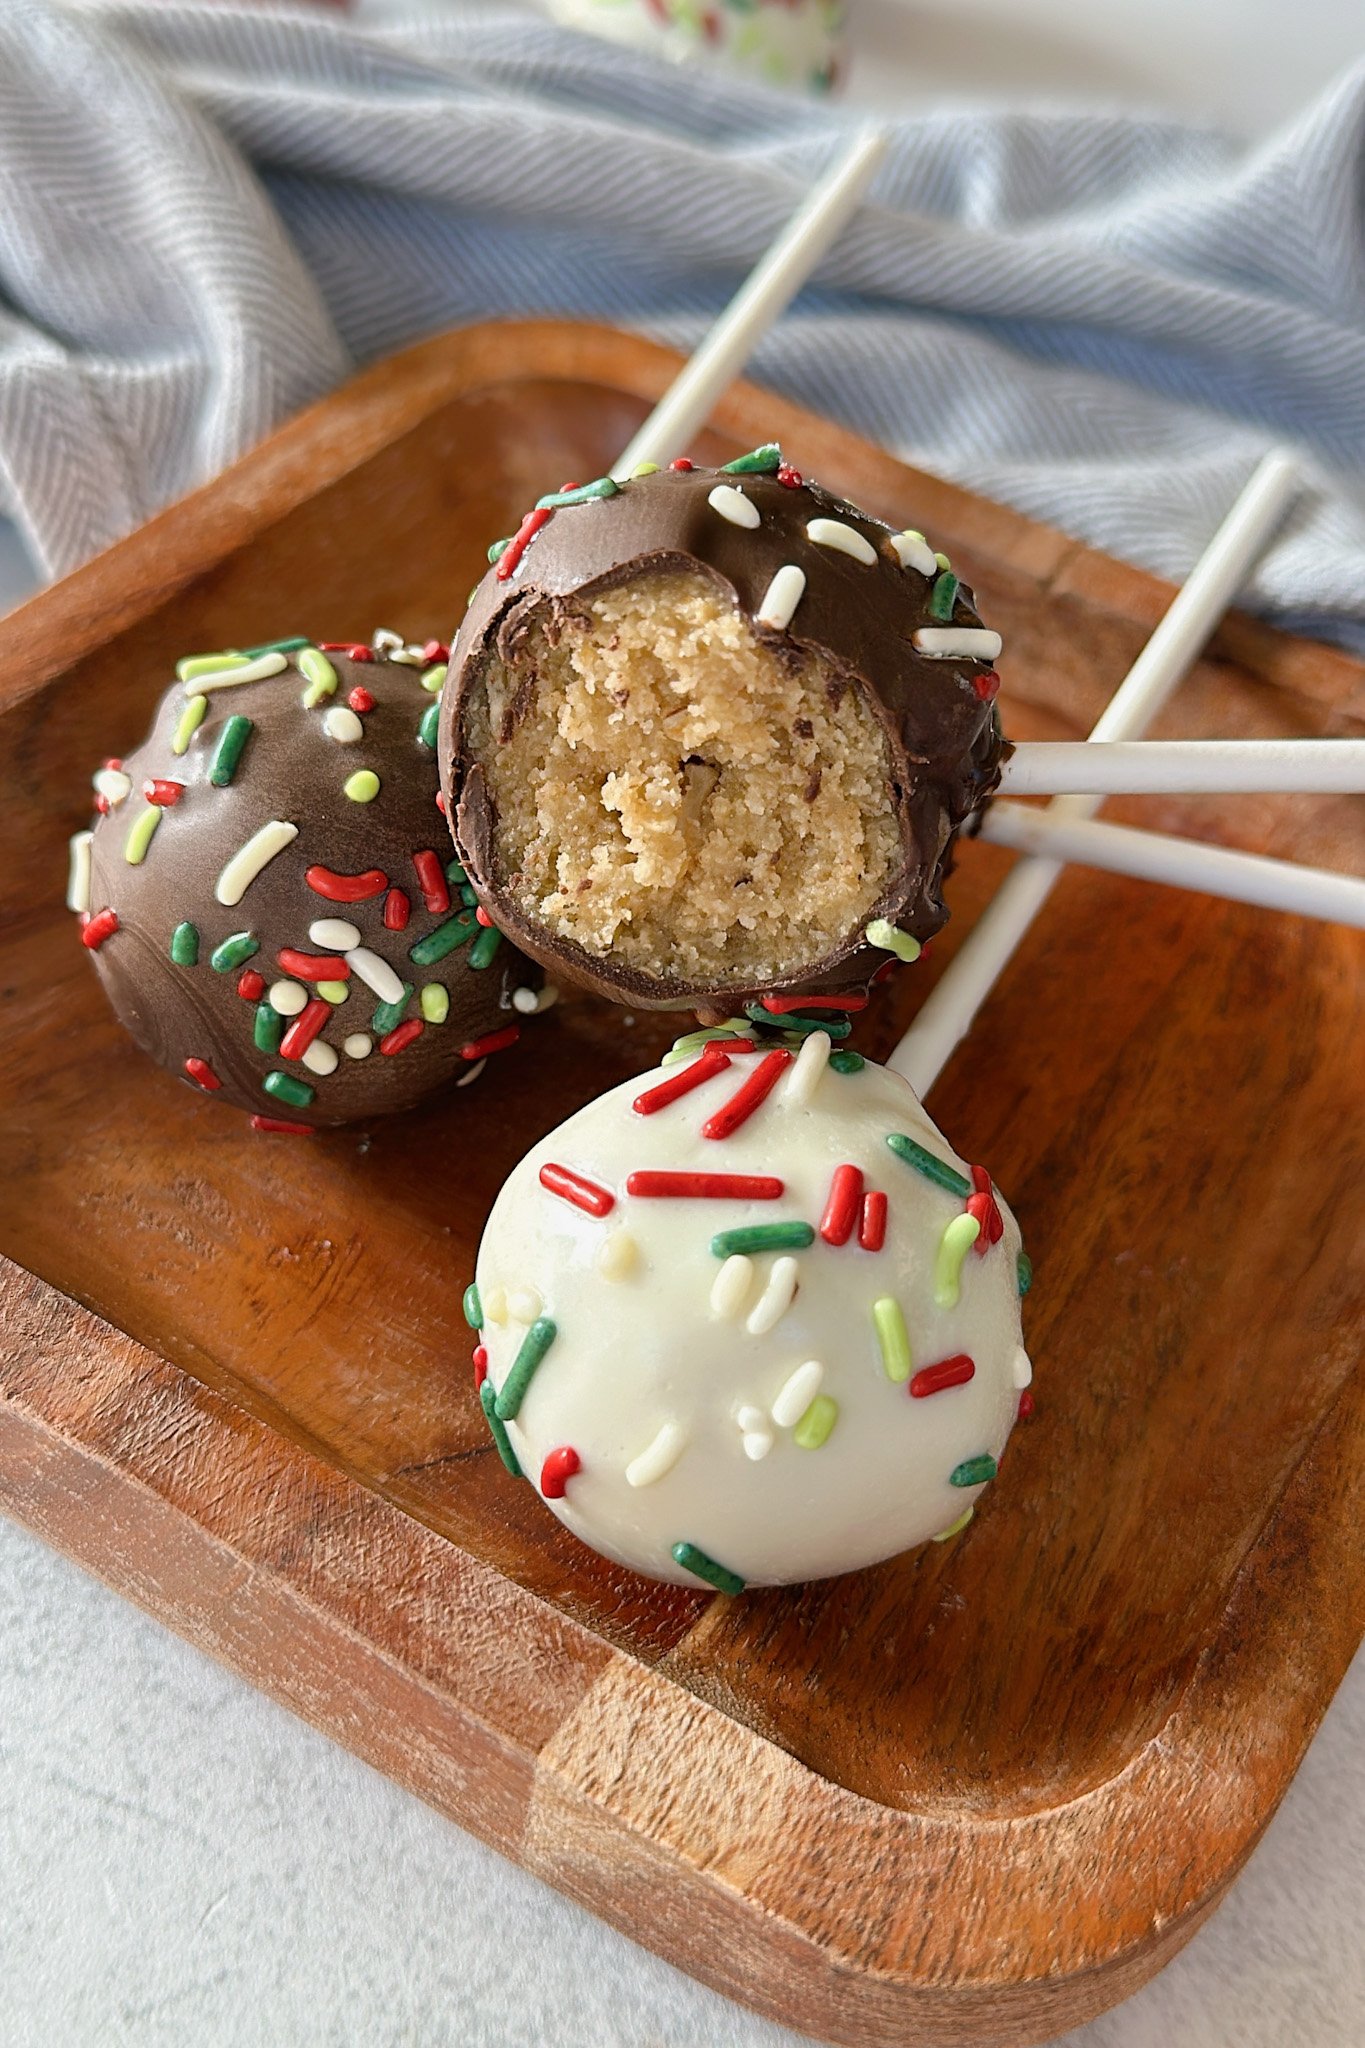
(681, 1396)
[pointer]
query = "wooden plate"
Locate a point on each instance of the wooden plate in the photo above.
(976, 1795)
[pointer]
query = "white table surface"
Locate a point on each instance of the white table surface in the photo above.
(181, 1862)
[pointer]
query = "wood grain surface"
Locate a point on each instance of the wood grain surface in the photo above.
(975, 1795)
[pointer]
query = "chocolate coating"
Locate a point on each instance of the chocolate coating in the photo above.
(293, 769)
(943, 737)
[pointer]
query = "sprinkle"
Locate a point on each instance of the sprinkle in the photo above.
(386, 641)
(361, 699)
(956, 643)
(730, 1288)
(233, 951)
(397, 910)
(746, 1099)
(185, 945)
(1026, 1406)
(495, 554)
(480, 1360)
(579, 494)
(432, 881)
(872, 1229)
(362, 787)
(358, 1046)
(335, 933)
(354, 650)
(267, 1031)
(776, 1298)
(473, 1307)
(843, 1205)
(238, 671)
(713, 1061)
(618, 1254)
(140, 834)
(320, 1058)
(313, 966)
(805, 1075)
(987, 686)
(835, 533)
(191, 718)
(926, 1163)
(456, 931)
(797, 1394)
(78, 873)
(762, 1237)
(192, 665)
(231, 746)
(832, 1027)
(974, 1471)
(912, 551)
(342, 725)
(815, 1425)
(492, 1041)
(510, 558)
(286, 1089)
(111, 783)
(525, 1365)
(1023, 1267)
(202, 1072)
(788, 476)
(645, 469)
(289, 645)
(389, 1015)
(98, 928)
(756, 1443)
(427, 728)
(781, 598)
(532, 1002)
(1021, 1367)
(275, 1123)
(703, 1567)
(734, 506)
(524, 1304)
(436, 650)
(334, 992)
(943, 597)
(402, 1036)
(484, 947)
(487, 1401)
(434, 1002)
(764, 461)
(941, 560)
(847, 1062)
(575, 1188)
(162, 793)
(250, 985)
(733, 1035)
(682, 462)
(950, 1372)
(318, 673)
(658, 1457)
(287, 997)
(339, 888)
(957, 1240)
(893, 1339)
(707, 1187)
(248, 861)
(304, 1029)
(891, 940)
(956, 1528)
(782, 1006)
(558, 1469)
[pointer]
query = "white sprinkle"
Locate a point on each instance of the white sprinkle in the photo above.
(472, 1075)
(341, 723)
(804, 1078)
(287, 997)
(783, 595)
(524, 1305)
(914, 552)
(734, 506)
(797, 1395)
(319, 1057)
(333, 934)
(618, 1255)
(757, 1443)
(660, 1456)
(386, 641)
(494, 1302)
(956, 643)
(751, 1418)
(775, 1299)
(410, 657)
(242, 870)
(834, 533)
(358, 1046)
(1023, 1367)
(112, 784)
(532, 1002)
(78, 872)
(228, 678)
(730, 1288)
(375, 973)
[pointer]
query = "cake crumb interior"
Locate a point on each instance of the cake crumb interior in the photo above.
(675, 793)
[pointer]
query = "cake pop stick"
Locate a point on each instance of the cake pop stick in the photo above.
(1183, 767)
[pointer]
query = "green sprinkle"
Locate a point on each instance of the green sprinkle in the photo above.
(973, 1471)
(362, 787)
(924, 1162)
(426, 730)
(735, 1027)
(285, 1088)
(956, 1528)
(847, 1062)
(191, 718)
(764, 461)
(233, 951)
(815, 1425)
(140, 835)
(645, 469)
(207, 664)
(473, 1306)
(495, 554)
(390, 1015)
(469, 895)
(455, 872)
(289, 646)
(954, 1245)
(703, 1567)
(334, 992)
(185, 945)
(525, 1365)
(831, 1026)
(435, 1002)
(893, 1339)
(320, 676)
(943, 596)
(485, 946)
(1023, 1267)
(231, 746)
(268, 1029)
(601, 487)
(434, 678)
(762, 1237)
(456, 931)
(891, 939)
(488, 1400)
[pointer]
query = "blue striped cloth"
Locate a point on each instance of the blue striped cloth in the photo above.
(211, 212)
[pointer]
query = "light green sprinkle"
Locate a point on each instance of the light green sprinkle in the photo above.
(239, 946)
(487, 1401)
(1023, 1267)
(847, 1062)
(435, 1002)
(891, 939)
(362, 787)
(924, 1162)
(645, 469)
(289, 646)
(525, 1365)
(683, 1048)
(320, 676)
(815, 1425)
(703, 1567)
(140, 835)
(268, 1029)
(333, 991)
(194, 665)
(762, 1237)
(185, 945)
(974, 1471)
(473, 1307)
(456, 931)
(764, 461)
(389, 1016)
(231, 746)
(893, 1339)
(943, 597)
(953, 1247)
(942, 561)
(189, 722)
(426, 730)
(285, 1088)
(956, 1528)
(434, 678)
(600, 487)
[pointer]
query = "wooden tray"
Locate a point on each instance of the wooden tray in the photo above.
(976, 1795)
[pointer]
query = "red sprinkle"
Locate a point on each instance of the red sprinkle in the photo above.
(746, 1100)
(98, 928)
(872, 1229)
(481, 917)
(713, 1060)
(558, 1470)
(435, 894)
(304, 1029)
(163, 793)
(710, 1187)
(1026, 1404)
(250, 985)
(495, 1041)
(682, 463)
(401, 1036)
(115, 762)
(279, 1123)
(397, 910)
(983, 1206)
(986, 686)
(101, 804)
(346, 888)
(313, 966)
(779, 1006)
(951, 1372)
(789, 476)
(573, 1187)
(360, 699)
(355, 648)
(202, 1072)
(480, 1365)
(441, 801)
(511, 555)
(434, 650)
(844, 1203)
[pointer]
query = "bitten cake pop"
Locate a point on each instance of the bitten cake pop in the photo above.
(269, 896)
(711, 733)
(748, 1320)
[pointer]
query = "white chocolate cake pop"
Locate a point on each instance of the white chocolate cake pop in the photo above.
(747, 1320)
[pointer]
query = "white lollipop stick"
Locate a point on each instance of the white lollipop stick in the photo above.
(1217, 576)
(1185, 863)
(763, 297)
(1183, 767)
